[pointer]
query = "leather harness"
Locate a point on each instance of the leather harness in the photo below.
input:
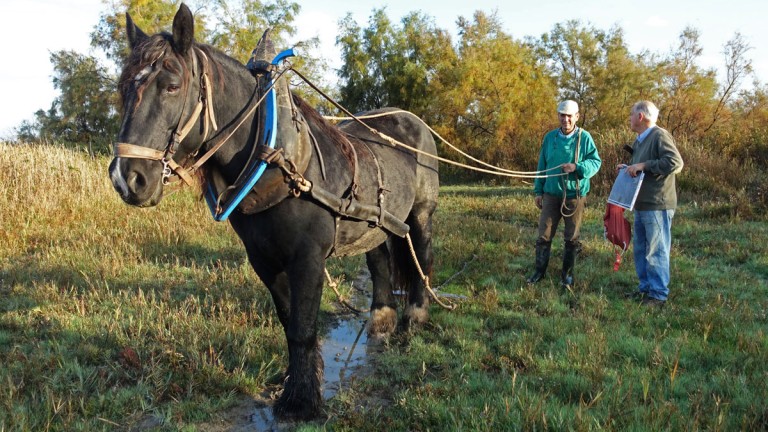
(294, 182)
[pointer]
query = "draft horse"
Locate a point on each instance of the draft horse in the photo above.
(324, 190)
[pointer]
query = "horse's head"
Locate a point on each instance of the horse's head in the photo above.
(165, 114)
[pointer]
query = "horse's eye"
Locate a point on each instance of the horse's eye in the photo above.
(172, 89)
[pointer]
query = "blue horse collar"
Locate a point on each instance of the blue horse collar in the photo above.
(256, 168)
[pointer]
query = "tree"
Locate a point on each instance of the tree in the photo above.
(687, 93)
(737, 67)
(88, 109)
(620, 80)
(595, 68)
(152, 16)
(491, 98)
(384, 65)
(84, 111)
(239, 25)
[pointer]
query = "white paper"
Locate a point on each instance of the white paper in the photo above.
(625, 189)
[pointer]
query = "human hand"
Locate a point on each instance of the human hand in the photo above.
(634, 170)
(569, 168)
(537, 200)
(620, 167)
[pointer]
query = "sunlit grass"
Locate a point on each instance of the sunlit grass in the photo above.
(110, 313)
(522, 358)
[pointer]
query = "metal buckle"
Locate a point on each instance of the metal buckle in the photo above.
(167, 171)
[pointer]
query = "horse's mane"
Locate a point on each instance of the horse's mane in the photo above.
(157, 48)
(329, 130)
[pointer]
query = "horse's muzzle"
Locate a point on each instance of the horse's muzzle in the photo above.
(136, 182)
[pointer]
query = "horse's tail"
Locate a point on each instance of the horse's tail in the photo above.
(401, 265)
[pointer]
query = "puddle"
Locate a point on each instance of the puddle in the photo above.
(345, 350)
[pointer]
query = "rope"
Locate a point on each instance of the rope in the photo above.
(564, 205)
(425, 278)
(344, 302)
(496, 170)
(443, 140)
(453, 276)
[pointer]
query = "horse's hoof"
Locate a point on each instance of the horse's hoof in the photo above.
(287, 410)
(416, 315)
(383, 323)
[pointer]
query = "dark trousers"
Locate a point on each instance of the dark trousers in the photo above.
(551, 215)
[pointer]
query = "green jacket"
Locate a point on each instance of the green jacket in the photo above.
(662, 162)
(557, 149)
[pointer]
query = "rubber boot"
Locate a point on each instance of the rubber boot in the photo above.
(542, 261)
(569, 261)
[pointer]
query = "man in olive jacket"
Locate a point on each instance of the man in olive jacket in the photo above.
(655, 154)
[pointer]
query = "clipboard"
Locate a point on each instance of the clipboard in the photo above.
(625, 189)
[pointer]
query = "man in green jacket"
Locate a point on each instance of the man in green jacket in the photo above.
(654, 153)
(569, 157)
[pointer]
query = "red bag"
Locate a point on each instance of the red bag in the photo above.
(617, 230)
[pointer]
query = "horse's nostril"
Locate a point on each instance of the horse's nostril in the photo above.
(136, 181)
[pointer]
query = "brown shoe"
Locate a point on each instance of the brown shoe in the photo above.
(652, 302)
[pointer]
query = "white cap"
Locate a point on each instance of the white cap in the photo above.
(568, 107)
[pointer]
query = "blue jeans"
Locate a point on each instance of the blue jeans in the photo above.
(653, 241)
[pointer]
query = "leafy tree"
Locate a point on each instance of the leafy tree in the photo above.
(237, 24)
(83, 112)
(152, 16)
(385, 65)
(363, 55)
(497, 97)
(595, 68)
(620, 80)
(87, 107)
(419, 52)
(687, 92)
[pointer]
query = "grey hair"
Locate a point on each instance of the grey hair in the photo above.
(648, 109)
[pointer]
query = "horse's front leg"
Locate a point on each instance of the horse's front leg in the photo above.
(302, 395)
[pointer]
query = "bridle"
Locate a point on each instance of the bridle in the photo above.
(203, 107)
(172, 170)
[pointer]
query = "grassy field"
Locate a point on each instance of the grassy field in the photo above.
(109, 313)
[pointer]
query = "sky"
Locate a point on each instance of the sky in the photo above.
(32, 29)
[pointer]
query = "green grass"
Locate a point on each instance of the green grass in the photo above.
(110, 313)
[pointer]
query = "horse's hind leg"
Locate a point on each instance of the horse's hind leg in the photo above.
(383, 306)
(420, 222)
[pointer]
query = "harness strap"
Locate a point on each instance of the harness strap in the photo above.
(204, 158)
(179, 135)
(363, 212)
(380, 191)
(137, 152)
(350, 208)
(185, 176)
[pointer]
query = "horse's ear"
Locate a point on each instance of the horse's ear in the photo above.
(135, 35)
(183, 30)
